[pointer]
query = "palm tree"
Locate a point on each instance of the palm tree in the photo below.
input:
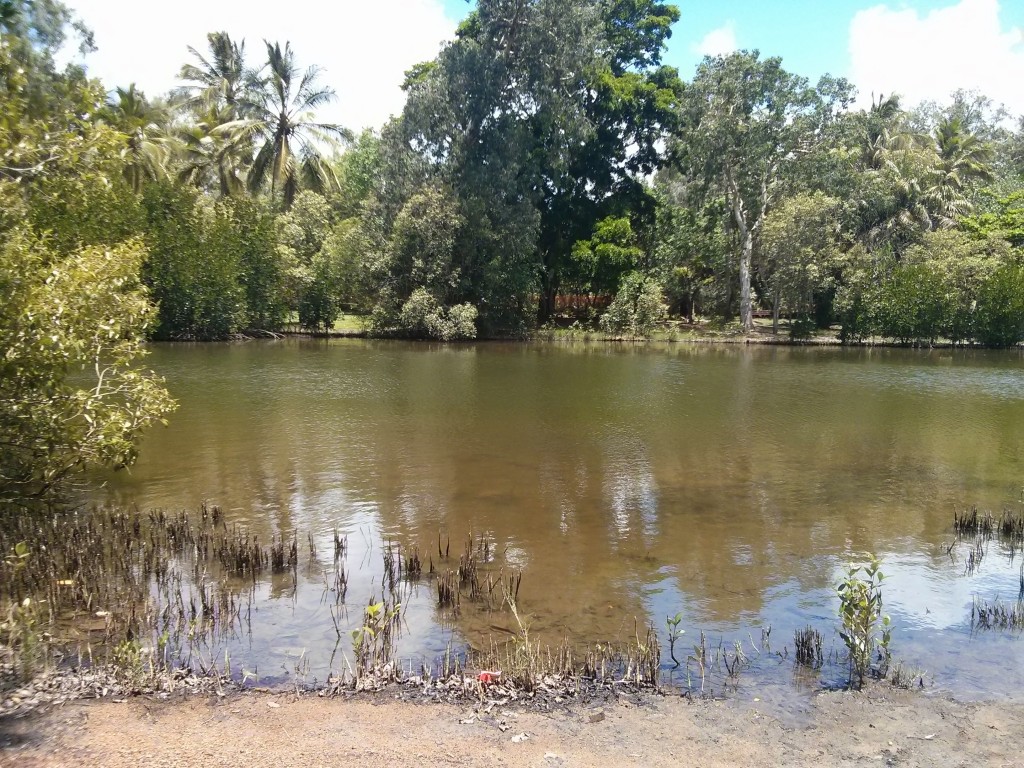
(143, 124)
(961, 158)
(220, 83)
(881, 130)
(281, 119)
(217, 149)
(215, 154)
(897, 164)
(899, 212)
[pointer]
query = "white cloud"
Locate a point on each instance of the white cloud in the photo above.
(362, 48)
(929, 56)
(718, 42)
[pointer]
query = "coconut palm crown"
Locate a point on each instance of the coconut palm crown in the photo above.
(280, 119)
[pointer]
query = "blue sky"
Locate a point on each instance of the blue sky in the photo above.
(811, 36)
(922, 49)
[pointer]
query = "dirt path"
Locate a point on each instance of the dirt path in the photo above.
(877, 728)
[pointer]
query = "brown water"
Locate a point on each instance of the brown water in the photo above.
(628, 482)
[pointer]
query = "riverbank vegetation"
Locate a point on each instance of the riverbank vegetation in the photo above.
(547, 170)
(137, 602)
(547, 167)
(112, 602)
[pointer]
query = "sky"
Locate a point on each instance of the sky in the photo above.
(921, 49)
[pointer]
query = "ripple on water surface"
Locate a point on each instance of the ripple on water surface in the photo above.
(629, 484)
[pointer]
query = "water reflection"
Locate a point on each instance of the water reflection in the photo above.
(628, 481)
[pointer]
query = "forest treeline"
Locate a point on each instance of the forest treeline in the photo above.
(546, 159)
(545, 153)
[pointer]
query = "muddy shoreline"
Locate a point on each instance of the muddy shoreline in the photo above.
(879, 726)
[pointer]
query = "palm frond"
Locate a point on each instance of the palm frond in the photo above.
(260, 164)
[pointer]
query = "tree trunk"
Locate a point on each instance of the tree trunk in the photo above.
(548, 291)
(746, 299)
(746, 233)
(776, 305)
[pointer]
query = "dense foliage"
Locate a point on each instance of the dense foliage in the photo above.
(546, 167)
(75, 312)
(544, 160)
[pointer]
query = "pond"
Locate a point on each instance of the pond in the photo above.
(626, 482)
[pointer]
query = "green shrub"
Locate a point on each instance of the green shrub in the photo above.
(638, 307)
(865, 629)
(1000, 311)
(802, 327)
(911, 306)
(319, 305)
(422, 315)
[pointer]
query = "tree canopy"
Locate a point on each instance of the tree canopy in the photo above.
(547, 168)
(549, 149)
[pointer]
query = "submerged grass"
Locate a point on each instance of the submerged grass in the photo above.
(808, 647)
(997, 615)
(158, 597)
(1008, 526)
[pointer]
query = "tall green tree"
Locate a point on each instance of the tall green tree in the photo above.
(73, 392)
(744, 122)
(279, 116)
(542, 117)
(800, 241)
(628, 100)
(32, 32)
(962, 159)
(251, 233)
(218, 82)
(150, 149)
(691, 250)
(194, 269)
(418, 274)
(301, 232)
(358, 171)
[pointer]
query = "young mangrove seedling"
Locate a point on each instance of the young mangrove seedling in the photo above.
(865, 629)
(674, 633)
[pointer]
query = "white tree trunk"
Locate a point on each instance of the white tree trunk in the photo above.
(739, 215)
(746, 300)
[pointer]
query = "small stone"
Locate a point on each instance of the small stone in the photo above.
(595, 717)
